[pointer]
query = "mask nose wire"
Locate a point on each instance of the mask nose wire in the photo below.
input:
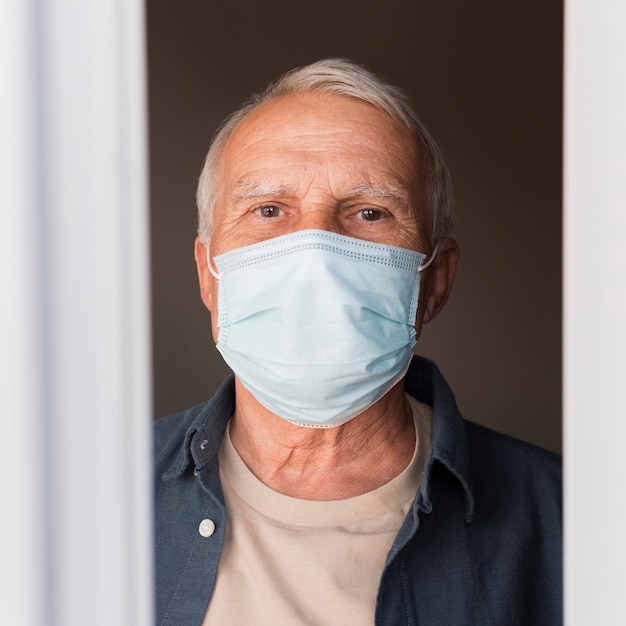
(425, 265)
(218, 276)
(215, 273)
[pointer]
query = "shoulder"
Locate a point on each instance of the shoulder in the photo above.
(525, 477)
(496, 452)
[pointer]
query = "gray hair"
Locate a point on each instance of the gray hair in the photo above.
(344, 78)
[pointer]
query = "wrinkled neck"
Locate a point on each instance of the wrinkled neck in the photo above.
(329, 463)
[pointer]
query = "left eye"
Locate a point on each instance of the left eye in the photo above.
(268, 211)
(371, 215)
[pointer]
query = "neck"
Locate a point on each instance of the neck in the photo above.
(325, 463)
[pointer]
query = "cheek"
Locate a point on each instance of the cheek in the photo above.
(215, 331)
(419, 320)
(230, 231)
(423, 301)
(214, 310)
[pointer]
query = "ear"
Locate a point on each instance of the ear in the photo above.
(205, 279)
(441, 276)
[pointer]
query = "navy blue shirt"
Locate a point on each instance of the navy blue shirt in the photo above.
(481, 544)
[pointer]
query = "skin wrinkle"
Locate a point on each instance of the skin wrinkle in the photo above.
(256, 189)
(296, 458)
(324, 158)
(316, 145)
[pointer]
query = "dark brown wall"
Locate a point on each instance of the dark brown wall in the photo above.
(485, 78)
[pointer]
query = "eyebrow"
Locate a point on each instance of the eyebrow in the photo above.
(383, 191)
(249, 189)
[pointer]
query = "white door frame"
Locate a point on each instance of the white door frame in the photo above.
(594, 330)
(76, 538)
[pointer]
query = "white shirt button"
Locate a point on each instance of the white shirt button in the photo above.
(207, 527)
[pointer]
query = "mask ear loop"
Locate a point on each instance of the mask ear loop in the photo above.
(214, 273)
(425, 265)
(421, 269)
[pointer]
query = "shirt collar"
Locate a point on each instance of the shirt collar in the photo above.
(449, 445)
(204, 435)
(424, 382)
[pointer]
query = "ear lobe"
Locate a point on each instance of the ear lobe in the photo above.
(441, 279)
(205, 279)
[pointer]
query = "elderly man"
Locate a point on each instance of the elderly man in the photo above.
(332, 480)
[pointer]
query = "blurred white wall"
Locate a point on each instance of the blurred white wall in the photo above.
(75, 529)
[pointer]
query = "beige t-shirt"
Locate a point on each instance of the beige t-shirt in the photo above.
(288, 561)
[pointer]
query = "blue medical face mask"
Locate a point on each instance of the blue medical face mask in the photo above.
(317, 326)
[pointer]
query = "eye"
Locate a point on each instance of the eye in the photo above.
(268, 210)
(371, 215)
